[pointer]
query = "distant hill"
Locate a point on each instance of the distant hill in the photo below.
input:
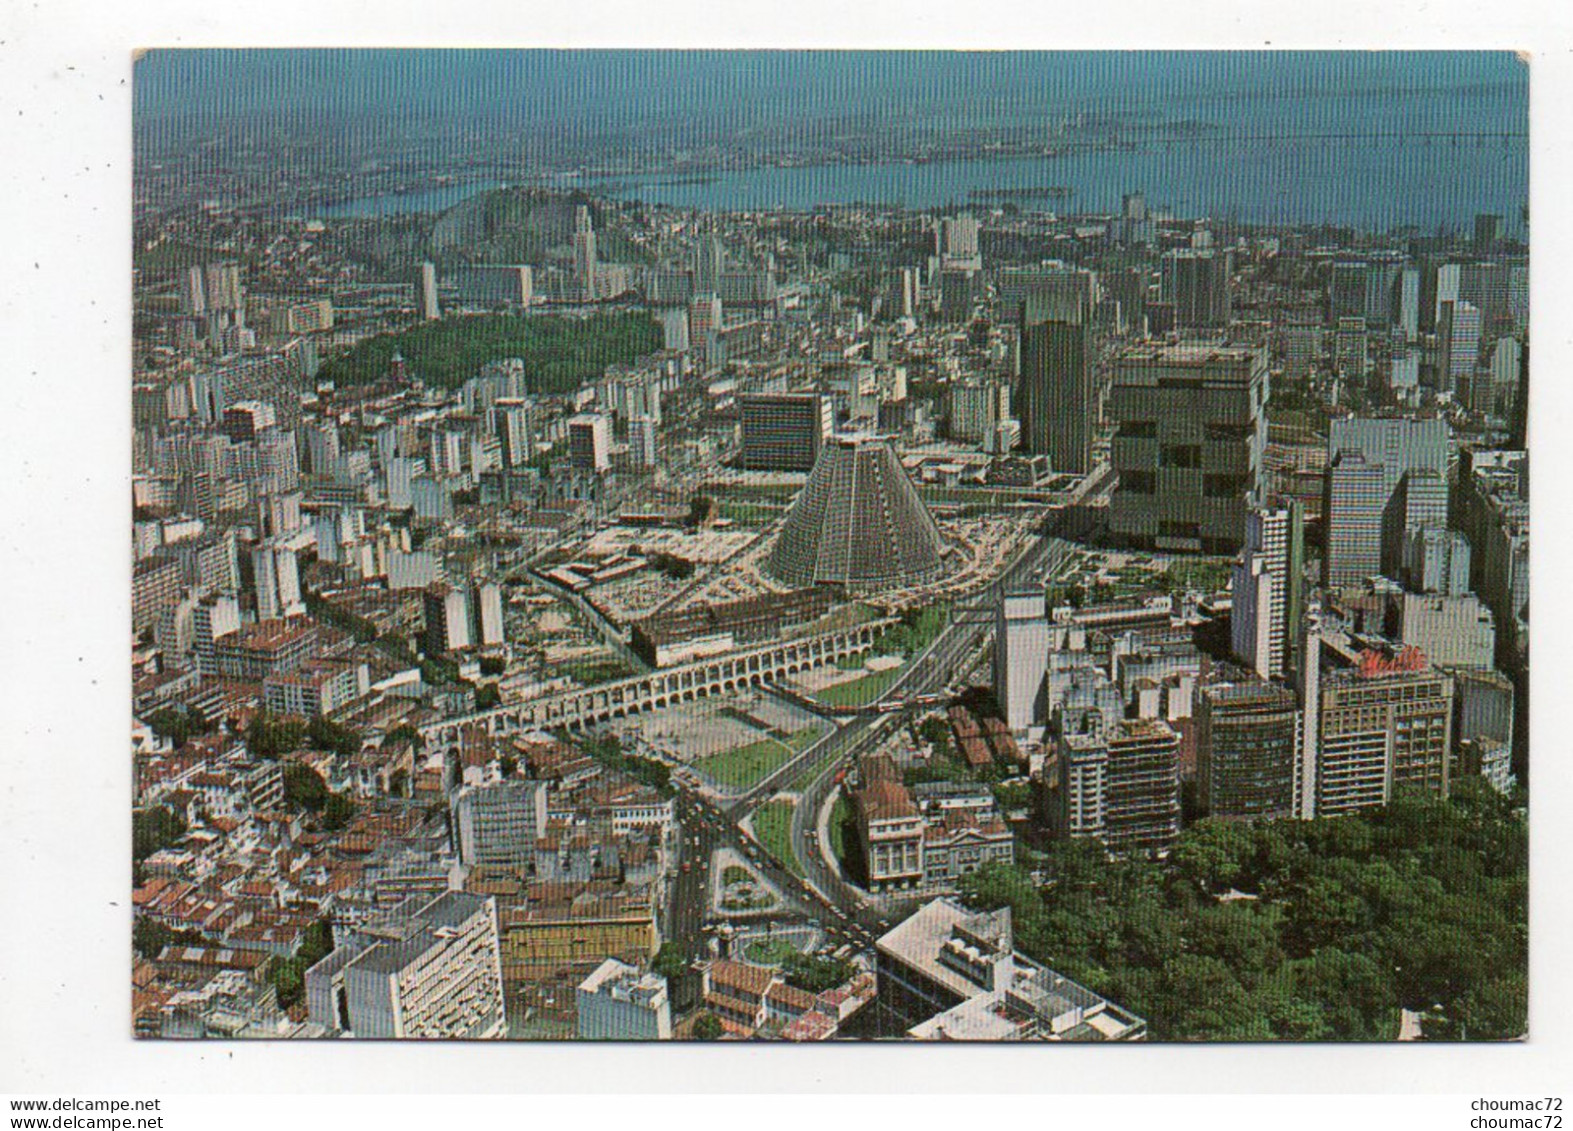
(526, 225)
(507, 225)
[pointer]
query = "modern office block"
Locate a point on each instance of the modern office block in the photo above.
(1246, 745)
(1188, 448)
(1057, 402)
(431, 969)
(1266, 588)
(783, 432)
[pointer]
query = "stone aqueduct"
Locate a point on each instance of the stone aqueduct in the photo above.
(717, 675)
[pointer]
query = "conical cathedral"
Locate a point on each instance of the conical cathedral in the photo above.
(858, 522)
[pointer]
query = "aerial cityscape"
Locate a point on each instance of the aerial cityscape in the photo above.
(803, 546)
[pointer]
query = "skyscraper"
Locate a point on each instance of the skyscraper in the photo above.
(704, 324)
(1266, 588)
(707, 265)
(1021, 657)
(1462, 331)
(429, 308)
(958, 243)
(1356, 501)
(1449, 284)
(783, 431)
(590, 442)
(979, 410)
(1437, 561)
(513, 423)
(1346, 290)
(1368, 459)
(1191, 434)
(1385, 730)
(1407, 302)
(277, 577)
(1135, 226)
(498, 823)
(1197, 283)
(1122, 788)
(486, 615)
(1246, 744)
(431, 969)
(641, 441)
(584, 258)
(447, 618)
(1057, 401)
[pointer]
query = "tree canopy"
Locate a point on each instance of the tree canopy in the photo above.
(1292, 930)
(153, 829)
(178, 724)
(559, 353)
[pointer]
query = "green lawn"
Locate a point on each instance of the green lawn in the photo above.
(859, 692)
(768, 952)
(749, 514)
(801, 740)
(773, 827)
(839, 812)
(1207, 574)
(744, 766)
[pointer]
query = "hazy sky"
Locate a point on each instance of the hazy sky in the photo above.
(623, 86)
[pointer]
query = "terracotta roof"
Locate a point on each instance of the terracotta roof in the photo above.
(885, 801)
(813, 1026)
(730, 1004)
(754, 980)
(790, 997)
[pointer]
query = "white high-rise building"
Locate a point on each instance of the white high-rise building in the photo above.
(447, 618)
(1437, 561)
(277, 579)
(1507, 362)
(1021, 658)
(1404, 373)
(1262, 591)
(429, 308)
(674, 328)
(641, 442)
(513, 422)
(498, 823)
(1408, 304)
(958, 243)
(584, 255)
(590, 441)
(432, 969)
(1449, 278)
(704, 323)
(211, 621)
(1463, 352)
(1369, 459)
(486, 605)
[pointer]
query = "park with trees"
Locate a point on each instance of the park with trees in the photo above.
(1295, 930)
